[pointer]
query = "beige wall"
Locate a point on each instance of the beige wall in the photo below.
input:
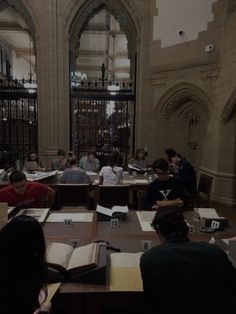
(176, 80)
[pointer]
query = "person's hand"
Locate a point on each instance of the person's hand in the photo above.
(179, 202)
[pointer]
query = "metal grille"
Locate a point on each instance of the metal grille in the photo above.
(18, 121)
(102, 118)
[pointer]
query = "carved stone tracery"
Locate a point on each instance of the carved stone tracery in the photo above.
(175, 98)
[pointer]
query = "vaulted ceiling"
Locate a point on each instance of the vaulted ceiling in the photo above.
(14, 35)
(102, 42)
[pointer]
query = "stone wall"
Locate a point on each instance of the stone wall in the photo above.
(185, 93)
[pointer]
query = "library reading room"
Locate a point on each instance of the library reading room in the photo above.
(118, 156)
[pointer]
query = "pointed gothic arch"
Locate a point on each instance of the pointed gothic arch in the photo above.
(25, 11)
(183, 95)
(130, 25)
(229, 110)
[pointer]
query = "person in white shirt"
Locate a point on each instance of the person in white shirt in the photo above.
(112, 174)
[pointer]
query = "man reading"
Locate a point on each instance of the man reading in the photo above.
(182, 276)
(26, 194)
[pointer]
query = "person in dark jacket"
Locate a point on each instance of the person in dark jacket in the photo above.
(164, 191)
(182, 276)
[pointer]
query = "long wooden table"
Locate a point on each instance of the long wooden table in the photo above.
(73, 298)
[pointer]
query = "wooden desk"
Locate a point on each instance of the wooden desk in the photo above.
(97, 299)
(84, 231)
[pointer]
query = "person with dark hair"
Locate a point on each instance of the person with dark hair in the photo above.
(139, 160)
(26, 194)
(164, 191)
(34, 163)
(112, 174)
(170, 153)
(22, 266)
(73, 174)
(181, 276)
(60, 163)
(173, 167)
(89, 162)
(186, 174)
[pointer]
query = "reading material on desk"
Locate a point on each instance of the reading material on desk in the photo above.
(91, 173)
(206, 212)
(39, 214)
(109, 212)
(141, 181)
(67, 258)
(145, 218)
(125, 272)
(39, 175)
(75, 217)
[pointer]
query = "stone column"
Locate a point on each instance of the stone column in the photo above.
(53, 80)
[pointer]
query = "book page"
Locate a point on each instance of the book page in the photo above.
(125, 259)
(83, 255)
(59, 253)
(103, 210)
(130, 166)
(206, 212)
(37, 213)
(145, 218)
(125, 273)
(76, 217)
(39, 175)
(125, 279)
(91, 173)
(141, 181)
(119, 209)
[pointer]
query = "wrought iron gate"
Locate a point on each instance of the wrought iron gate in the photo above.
(18, 120)
(102, 118)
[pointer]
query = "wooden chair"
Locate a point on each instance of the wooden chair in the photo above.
(142, 201)
(111, 195)
(203, 192)
(73, 194)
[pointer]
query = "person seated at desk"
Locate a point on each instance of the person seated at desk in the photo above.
(22, 266)
(164, 191)
(112, 174)
(34, 163)
(26, 194)
(186, 174)
(74, 174)
(89, 163)
(173, 167)
(139, 160)
(60, 163)
(182, 276)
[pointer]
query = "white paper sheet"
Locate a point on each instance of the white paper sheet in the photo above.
(75, 217)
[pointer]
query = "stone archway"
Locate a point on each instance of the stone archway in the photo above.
(185, 110)
(23, 11)
(180, 94)
(130, 26)
(229, 110)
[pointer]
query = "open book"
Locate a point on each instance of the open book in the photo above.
(71, 260)
(39, 214)
(39, 175)
(109, 212)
